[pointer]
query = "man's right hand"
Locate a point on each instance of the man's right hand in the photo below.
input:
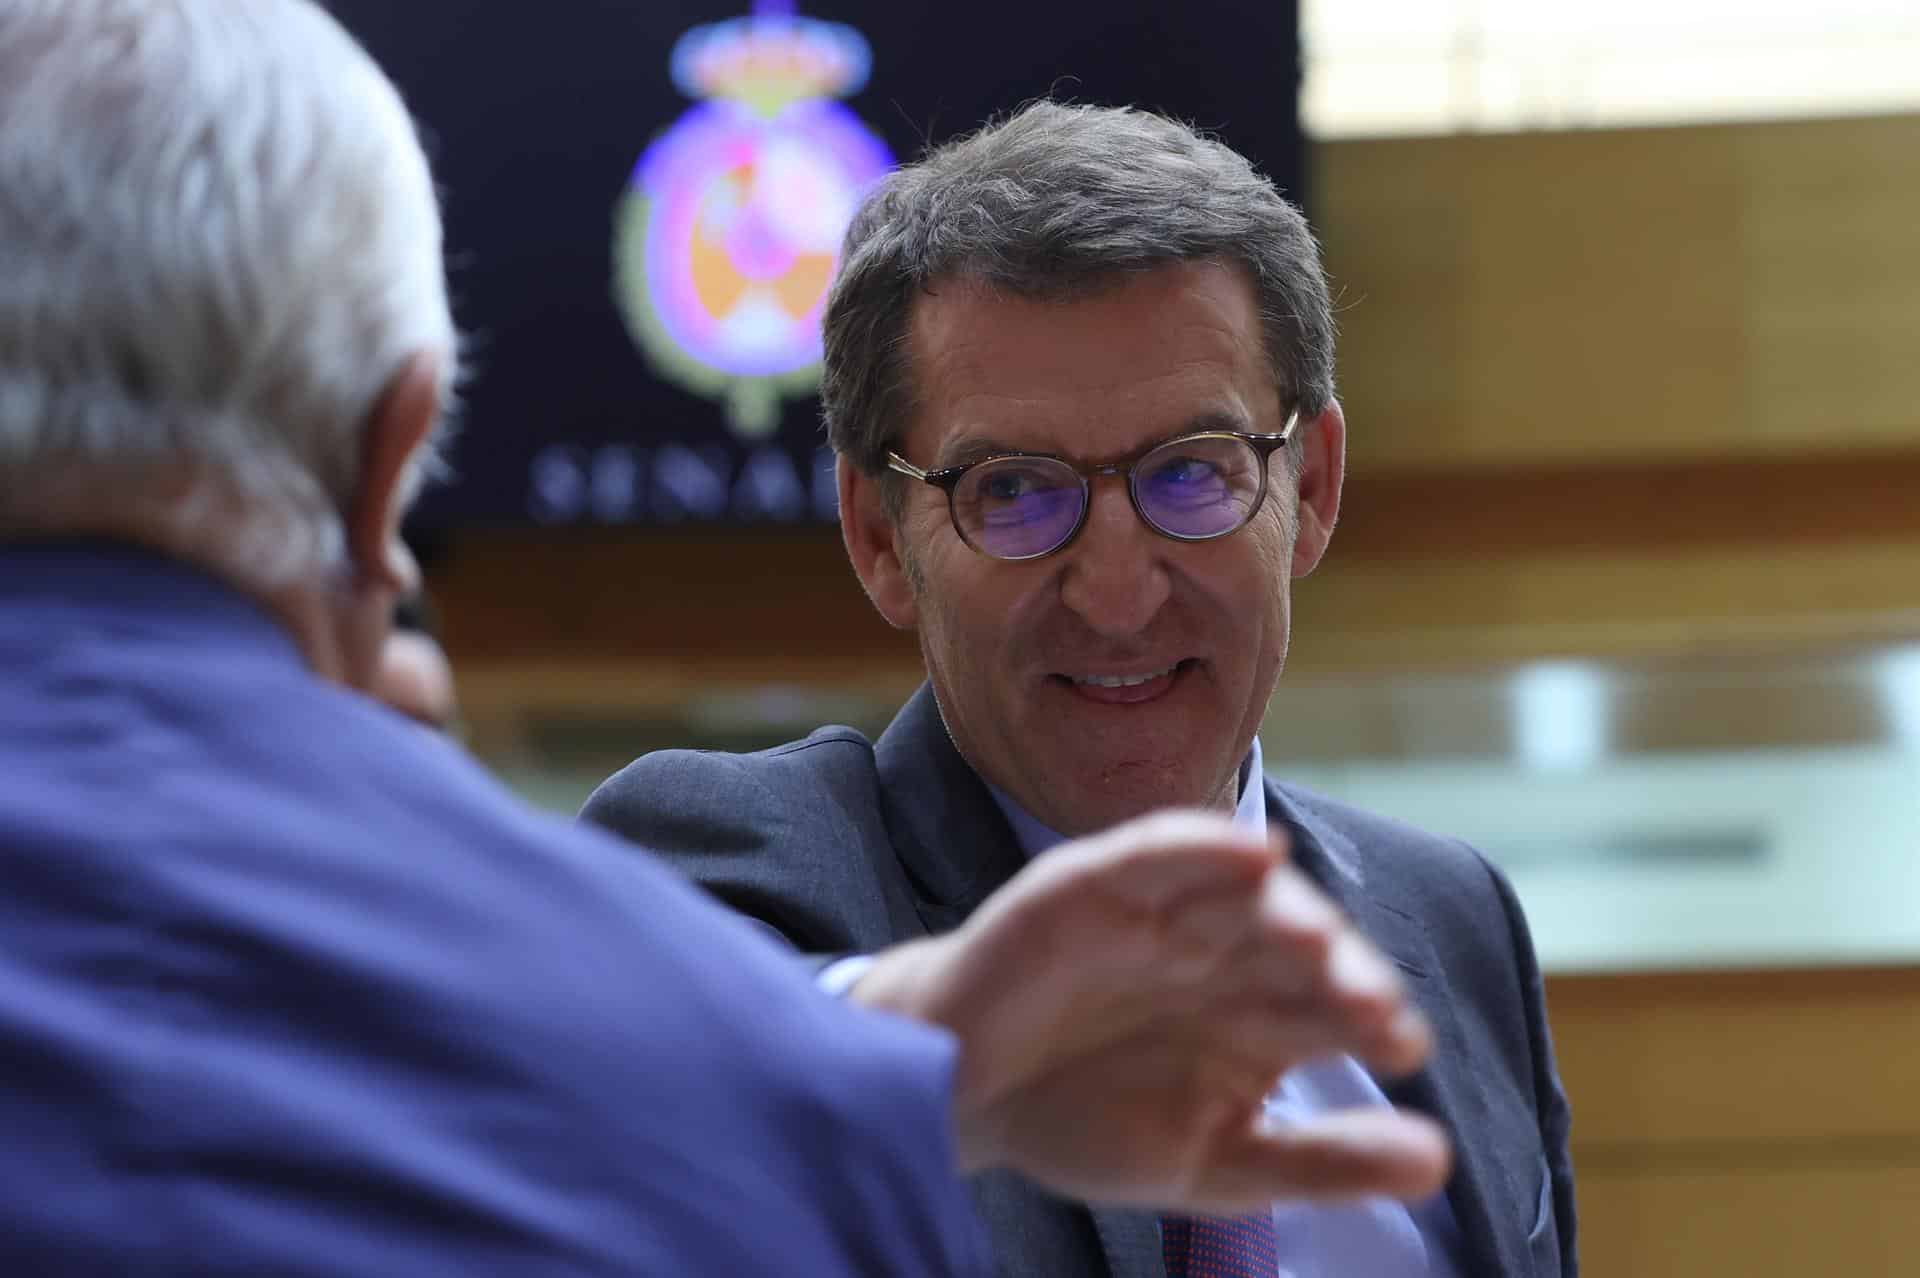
(1125, 1004)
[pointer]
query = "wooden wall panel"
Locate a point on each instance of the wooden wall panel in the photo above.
(1830, 261)
(1760, 1124)
(1430, 613)
(1690, 292)
(1768, 1222)
(1469, 567)
(1681, 1067)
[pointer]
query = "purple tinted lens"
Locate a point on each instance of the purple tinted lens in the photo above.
(1198, 488)
(1018, 507)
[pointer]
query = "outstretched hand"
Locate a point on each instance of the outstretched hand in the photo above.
(1125, 1004)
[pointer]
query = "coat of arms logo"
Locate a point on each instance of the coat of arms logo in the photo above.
(727, 237)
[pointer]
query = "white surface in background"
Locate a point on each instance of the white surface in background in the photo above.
(1559, 716)
(1838, 880)
(1377, 67)
(1899, 673)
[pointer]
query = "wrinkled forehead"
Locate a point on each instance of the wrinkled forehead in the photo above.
(1096, 372)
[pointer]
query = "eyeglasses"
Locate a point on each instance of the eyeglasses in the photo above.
(1029, 505)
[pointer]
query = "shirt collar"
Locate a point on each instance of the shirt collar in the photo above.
(1249, 814)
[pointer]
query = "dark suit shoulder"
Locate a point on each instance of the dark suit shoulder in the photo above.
(790, 836)
(727, 780)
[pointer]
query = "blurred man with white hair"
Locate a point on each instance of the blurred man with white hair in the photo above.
(288, 987)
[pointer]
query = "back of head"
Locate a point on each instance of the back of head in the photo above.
(1050, 203)
(220, 242)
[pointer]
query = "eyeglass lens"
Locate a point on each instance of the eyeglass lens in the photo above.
(1024, 507)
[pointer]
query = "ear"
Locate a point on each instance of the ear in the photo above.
(1323, 466)
(401, 420)
(873, 544)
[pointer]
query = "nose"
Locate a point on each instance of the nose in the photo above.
(1114, 576)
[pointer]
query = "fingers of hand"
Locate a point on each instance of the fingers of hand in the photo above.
(1306, 956)
(1296, 931)
(1276, 933)
(1192, 940)
(1158, 860)
(1165, 895)
(1342, 1155)
(1270, 1037)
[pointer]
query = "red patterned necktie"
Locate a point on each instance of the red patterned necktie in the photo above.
(1207, 1247)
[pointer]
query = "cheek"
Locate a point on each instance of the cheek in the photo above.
(975, 612)
(927, 546)
(1254, 570)
(921, 543)
(1249, 598)
(940, 583)
(1273, 539)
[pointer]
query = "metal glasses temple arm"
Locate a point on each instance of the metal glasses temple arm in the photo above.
(896, 462)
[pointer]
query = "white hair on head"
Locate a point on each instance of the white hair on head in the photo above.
(219, 243)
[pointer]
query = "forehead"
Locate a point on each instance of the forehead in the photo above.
(1092, 375)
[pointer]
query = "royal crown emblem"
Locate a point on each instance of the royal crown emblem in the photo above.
(727, 238)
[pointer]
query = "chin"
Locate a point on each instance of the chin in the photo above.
(1125, 790)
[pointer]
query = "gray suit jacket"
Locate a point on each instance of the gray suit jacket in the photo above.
(839, 845)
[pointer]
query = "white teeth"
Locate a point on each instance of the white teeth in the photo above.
(1123, 681)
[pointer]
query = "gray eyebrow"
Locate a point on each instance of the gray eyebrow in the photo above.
(979, 448)
(969, 451)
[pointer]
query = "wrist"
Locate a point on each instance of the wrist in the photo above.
(914, 980)
(896, 980)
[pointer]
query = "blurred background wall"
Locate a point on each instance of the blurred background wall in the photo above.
(1627, 585)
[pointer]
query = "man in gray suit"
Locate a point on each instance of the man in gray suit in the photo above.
(1079, 378)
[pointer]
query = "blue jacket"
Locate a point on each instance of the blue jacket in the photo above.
(289, 986)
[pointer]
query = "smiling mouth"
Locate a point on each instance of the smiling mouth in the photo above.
(1129, 688)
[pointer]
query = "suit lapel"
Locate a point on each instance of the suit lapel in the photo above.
(957, 849)
(946, 829)
(1448, 1089)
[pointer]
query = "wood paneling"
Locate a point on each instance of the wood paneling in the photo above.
(1679, 1068)
(1641, 508)
(1830, 262)
(1468, 567)
(1758, 1124)
(1496, 608)
(779, 602)
(1768, 1222)
(1692, 292)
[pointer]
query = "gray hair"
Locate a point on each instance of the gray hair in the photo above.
(221, 243)
(1050, 203)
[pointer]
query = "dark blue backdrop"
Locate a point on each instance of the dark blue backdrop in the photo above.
(536, 113)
